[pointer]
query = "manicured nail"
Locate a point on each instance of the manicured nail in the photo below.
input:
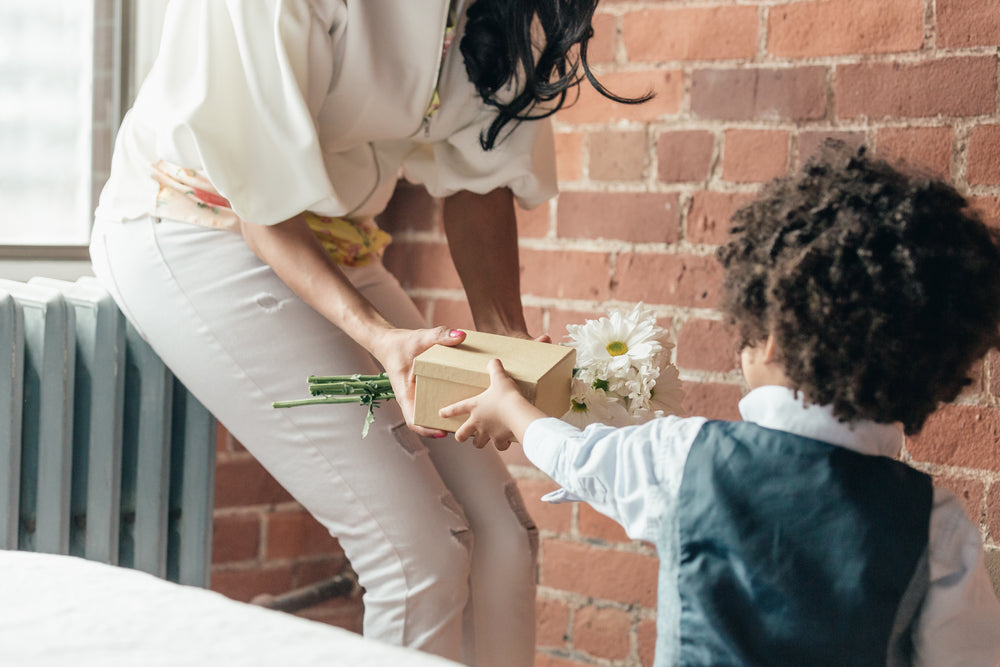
(440, 435)
(455, 333)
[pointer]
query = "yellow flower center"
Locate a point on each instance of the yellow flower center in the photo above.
(616, 348)
(579, 407)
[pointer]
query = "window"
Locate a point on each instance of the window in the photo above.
(68, 69)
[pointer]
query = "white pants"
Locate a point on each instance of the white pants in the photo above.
(435, 530)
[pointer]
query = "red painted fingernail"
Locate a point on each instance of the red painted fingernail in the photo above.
(440, 435)
(455, 333)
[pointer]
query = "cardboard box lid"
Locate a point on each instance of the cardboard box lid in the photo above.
(526, 361)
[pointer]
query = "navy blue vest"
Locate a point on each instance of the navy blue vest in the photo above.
(797, 552)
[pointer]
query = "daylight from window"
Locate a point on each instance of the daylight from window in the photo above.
(46, 63)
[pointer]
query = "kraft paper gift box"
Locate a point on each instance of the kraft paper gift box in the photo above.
(444, 375)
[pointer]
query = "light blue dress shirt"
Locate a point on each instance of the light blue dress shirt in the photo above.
(633, 475)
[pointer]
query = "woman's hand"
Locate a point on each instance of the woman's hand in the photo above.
(499, 415)
(396, 349)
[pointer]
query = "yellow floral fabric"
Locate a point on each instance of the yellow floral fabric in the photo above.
(187, 196)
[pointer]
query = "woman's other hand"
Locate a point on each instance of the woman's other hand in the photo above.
(396, 349)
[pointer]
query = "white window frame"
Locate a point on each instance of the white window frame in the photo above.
(135, 33)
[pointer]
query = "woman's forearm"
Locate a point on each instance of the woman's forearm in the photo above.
(482, 237)
(300, 261)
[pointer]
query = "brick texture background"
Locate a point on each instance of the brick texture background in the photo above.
(744, 91)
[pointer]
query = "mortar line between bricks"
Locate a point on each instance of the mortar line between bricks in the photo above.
(797, 62)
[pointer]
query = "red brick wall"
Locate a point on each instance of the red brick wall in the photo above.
(744, 92)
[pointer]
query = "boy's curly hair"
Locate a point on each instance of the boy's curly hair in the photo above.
(881, 288)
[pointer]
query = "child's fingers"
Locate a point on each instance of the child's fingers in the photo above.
(463, 407)
(497, 372)
(465, 431)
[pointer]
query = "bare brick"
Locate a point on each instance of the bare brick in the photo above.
(960, 435)
(691, 33)
(566, 274)
(965, 23)
(947, 87)
(592, 523)
(710, 213)
(617, 156)
(235, 538)
(552, 626)
(684, 155)
(759, 94)
(602, 632)
(838, 27)
(620, 576)
(294, 534)
(680, 280)
(993, 517)
(243, 482)
(638, 217)
(754, 156)
(592, 107)
(811, 142)
(569, 156)
(925, 148)
(646, 634)
(712, 400)
(984, 155)
(601, 48)
(707, 345)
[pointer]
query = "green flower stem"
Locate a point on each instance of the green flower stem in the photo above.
(326, 379)
(378, 388)
(320, 400)
(364, 389)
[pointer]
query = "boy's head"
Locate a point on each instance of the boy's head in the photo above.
(879, 288)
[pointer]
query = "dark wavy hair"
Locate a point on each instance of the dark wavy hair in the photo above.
(880, 287)
(499, 51)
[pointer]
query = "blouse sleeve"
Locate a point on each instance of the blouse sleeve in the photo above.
(235, 91)
(524, 160)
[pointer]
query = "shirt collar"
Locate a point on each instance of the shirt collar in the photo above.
(779, 408)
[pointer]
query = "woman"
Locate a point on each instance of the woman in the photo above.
(236, 234)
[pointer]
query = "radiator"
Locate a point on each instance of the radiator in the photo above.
(103, 453)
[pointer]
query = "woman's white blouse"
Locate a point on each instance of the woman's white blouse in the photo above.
(318, 105)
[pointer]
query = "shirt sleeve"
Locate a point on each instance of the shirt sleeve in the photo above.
(234, 92)
(632, 475)
(959, 623)
(524, 162)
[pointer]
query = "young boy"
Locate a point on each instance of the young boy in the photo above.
(862, 295)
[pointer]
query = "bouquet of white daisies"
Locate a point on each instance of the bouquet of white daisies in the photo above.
(623, 374)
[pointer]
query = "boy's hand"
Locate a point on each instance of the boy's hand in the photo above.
(499, 415)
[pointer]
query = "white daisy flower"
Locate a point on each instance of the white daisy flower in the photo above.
(611, 344)
(666, 395)
(592, 406)
(623, 375)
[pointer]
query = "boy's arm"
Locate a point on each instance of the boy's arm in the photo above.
(629, 474)
(499, 415)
